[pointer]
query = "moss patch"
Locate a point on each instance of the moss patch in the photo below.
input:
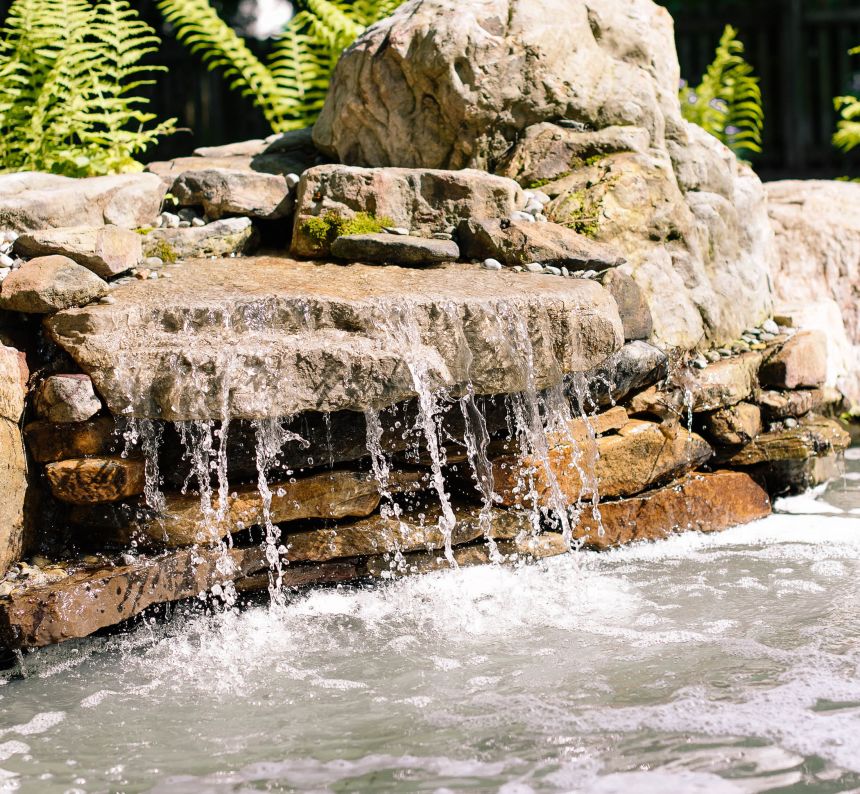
(580, 211)
(163, 250)
(325, 229)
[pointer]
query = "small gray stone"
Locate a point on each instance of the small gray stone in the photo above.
(492, 264)
(533, 207)
(517, 269)
(6, 261)
(184, 224)
(554, 271)
(725, 352)
(541, 197)
(699, 362)
(169, 220)
(790, 423)
(394, 249)
(770, 327)
(441, 236)
(588, 274)
(534, 267)
(399, 230)
(186, 214)
(153, 262)
(197, 222)
(565, 272)
(4, 271)
(541, 218)
(293, 180)
(712, 356)
(766, 337)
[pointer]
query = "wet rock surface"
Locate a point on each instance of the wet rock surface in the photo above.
(328, 337)
(67, 398)
(13, 463)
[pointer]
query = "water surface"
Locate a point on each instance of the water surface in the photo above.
(726, 663)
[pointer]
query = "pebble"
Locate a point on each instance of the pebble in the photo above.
(9, 236)
(725, 352)
(153, 275)
(750, 340)
(400, 230)
(517, 269)
(4, 271)
(766, 337)
(6, 261)
(492, 264)
(533, 207)
(712, 356)
(441, 236)
(198, 222)
(565, 272)
(741, 347)
(758, 346)
(790, 423)
(541, 219)
(153, 261)
(184, 224)
(169, 220)
(554, 271)
(753, 332)
(519, 215)
(108, 300)
(699, 362)
(7, 588)
(293, 179)
(534, 267)
(540, 196)
(588, 274)
(770, 327)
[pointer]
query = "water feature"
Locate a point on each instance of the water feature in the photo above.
(725, 663)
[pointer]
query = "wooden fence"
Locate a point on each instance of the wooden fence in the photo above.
(799, 48)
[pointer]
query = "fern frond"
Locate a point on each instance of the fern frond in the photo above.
(727, 103)
(847, 136)
(200, 28)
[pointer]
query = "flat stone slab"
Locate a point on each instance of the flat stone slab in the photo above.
(394, 248)
(264, 337)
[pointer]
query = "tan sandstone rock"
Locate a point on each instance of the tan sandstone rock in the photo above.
(13, 463)
(816, 225)
(421, 200)
(521, 242)
(813, 437)
(697, 503)
(802, 361)
(33, 201)
(782, 404)
(639, 456)
(222, 191)
(48, 284)
(52, 441)
(735, 425)
(277, 337)
(219, 238)
(106, 250)
(85, 481)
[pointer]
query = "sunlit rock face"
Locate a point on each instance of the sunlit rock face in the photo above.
(580, 98)
(275, 337)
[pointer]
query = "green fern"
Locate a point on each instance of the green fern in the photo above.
(727, 103)
(291, 87)
(847, 134)
(69, 72)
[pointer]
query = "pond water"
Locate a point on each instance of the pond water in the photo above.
(728, 663)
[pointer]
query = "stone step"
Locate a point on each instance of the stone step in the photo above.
(270, 337)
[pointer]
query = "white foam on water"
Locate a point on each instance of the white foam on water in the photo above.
(39, 724)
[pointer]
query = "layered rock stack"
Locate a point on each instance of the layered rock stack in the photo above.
(526, 314)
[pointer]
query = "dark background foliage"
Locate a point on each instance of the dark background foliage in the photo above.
(799, 48)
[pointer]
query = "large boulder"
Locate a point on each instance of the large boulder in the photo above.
(817, 277)
(580, 98)
(34, 201)
(274, 337)
(106, 250)
(13, 464)
(49, 283)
